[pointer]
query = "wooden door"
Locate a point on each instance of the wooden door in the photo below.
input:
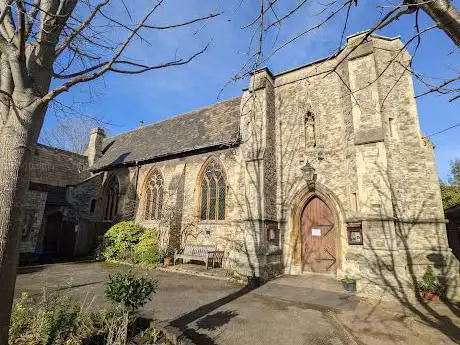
(66, 246)
(52, 233)
(318, 238)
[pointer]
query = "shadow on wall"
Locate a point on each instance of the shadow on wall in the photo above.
(398, 272)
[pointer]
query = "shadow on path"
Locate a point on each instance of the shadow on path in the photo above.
(209, 322)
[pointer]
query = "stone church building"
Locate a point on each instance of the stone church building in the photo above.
(296, 175)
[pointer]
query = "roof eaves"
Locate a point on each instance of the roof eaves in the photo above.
(217, 146)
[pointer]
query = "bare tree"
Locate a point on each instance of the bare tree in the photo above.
(69, 133)
(268, 22)
(47, 47)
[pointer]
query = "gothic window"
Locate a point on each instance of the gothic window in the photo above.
(213, 192)
(112, 194)
(154, 196)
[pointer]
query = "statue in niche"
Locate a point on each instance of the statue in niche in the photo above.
(310, 136)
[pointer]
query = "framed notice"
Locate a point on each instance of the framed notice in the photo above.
(316, 232)
(355, 234)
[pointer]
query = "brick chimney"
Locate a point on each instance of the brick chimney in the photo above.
(94, 151)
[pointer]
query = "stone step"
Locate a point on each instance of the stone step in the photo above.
(318, 293)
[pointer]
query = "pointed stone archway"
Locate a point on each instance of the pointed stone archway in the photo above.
(315, 227)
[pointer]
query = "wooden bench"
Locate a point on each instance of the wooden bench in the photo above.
(204, 253)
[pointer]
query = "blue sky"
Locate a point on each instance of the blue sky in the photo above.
(123, 101)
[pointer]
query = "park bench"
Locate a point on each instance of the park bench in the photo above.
(203, 253)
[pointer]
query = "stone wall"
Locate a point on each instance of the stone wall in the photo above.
(371, 161)
(366, 158)
(57, 167)
(179, 223)
(83, 194)
(34, 208)
(180, 220)
(50, 167)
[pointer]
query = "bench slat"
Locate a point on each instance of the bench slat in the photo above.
(199, 252)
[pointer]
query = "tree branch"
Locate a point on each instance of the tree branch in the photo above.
(144, 68)
(444, 14)
(85, 78)
(82, 27)
(21, 31)
(4, 13)
(31, 18)
(173, 26)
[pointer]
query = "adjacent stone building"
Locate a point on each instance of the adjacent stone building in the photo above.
(296, 175)
(48, 224)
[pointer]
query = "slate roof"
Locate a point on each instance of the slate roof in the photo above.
(212, 127)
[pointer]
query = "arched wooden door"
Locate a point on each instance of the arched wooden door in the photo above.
(319, 252)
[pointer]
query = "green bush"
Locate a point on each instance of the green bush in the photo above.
(20, 318)
(119, 241)
(52, 320)
(146, 251)
(429, 282)
(58, 319)
(129, 291)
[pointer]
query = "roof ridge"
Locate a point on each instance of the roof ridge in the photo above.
(174, 117)
(49, 147)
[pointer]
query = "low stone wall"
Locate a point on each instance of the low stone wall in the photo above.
(174, 335)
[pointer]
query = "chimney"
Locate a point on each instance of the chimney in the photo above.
(96, 136)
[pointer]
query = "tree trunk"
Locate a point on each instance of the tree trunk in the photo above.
(18, 137)
(445, 15)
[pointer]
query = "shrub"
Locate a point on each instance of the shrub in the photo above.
(348, 279)
(152, 335)
(20, 318)
(429, 282)
(146, 251)
(129, 291)
(54, 319)
(120, 239)
(58, 319)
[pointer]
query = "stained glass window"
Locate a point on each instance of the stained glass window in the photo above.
(154, 196)
(213, 192)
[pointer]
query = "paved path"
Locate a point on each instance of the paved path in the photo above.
(288, 311)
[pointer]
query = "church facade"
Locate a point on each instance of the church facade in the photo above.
(296, 175)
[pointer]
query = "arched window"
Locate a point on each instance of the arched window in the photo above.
(213, 192)
(112, 193)
(154, 196)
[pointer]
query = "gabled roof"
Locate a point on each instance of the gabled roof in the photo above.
(212, 127)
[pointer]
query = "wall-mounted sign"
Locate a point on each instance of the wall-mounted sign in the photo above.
(355, 233)
(316, 232)
(273, 233)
